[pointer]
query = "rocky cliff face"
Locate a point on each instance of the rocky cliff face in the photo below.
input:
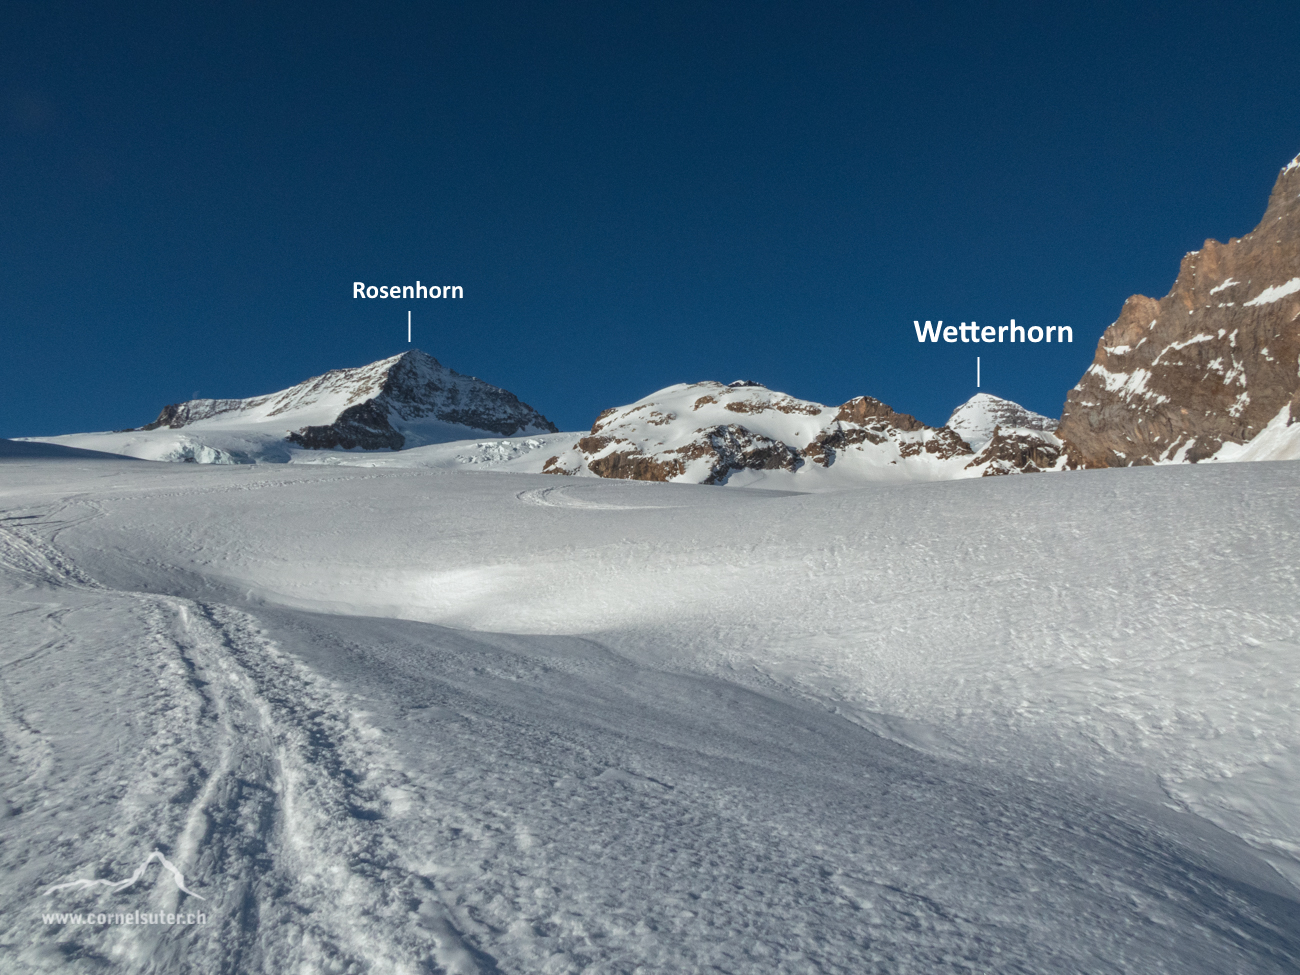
(708, 433)
(1213, 363)
(404, 401)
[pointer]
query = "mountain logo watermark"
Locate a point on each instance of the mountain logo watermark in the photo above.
(116, 885)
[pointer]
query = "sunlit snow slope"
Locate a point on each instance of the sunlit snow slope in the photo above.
(422, 721)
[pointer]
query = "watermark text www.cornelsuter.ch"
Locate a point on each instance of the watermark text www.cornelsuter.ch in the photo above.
(127, 918)
(103, 918)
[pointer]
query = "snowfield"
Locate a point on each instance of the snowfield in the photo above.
(519, 454)
(416, 719)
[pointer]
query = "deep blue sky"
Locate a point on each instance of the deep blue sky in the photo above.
(631, 195)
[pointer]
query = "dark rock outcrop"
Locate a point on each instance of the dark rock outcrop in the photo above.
(734, 448)
(867, 420)
(177, 415)
(365, 426)
(1017, 451)
(407, 400)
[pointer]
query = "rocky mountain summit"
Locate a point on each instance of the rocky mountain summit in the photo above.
(711, 433)
(406, 400)
(1006, 437)
(1209, 366)
(977, 420)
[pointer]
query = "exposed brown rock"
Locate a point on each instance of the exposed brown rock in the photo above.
(604, 415)
(787, 406)
(946, 443)
(1012, 451)
(823, 447)
(1208, 364)
(865, 408)
(867, 420)
(733, 448)
(553, 466)
(594, 445)
(726, 449)
(793, 406)
(636, 466)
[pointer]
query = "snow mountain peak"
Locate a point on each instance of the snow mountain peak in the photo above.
(977, 419)
(406, 400)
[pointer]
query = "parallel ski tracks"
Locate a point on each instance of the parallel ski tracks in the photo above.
(276, 809)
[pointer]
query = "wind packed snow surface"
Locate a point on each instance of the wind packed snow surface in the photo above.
(414, 721)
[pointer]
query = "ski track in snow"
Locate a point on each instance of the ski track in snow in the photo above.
(387, 795)
(558, 497)
(244, 765)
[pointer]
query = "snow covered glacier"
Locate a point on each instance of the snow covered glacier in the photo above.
(417, 720)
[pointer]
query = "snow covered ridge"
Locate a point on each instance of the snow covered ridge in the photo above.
(1211, 368)
(745, 433)
(383, 405)
(411, 412)
(408, 400)
(976, 420)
